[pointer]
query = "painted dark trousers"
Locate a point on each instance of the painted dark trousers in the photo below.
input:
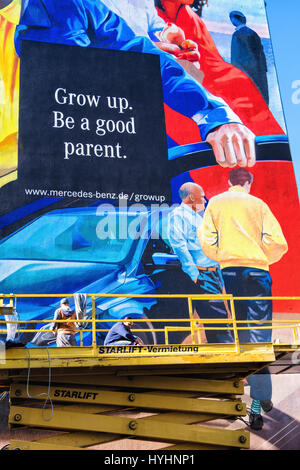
(210, 282)
(252, 282)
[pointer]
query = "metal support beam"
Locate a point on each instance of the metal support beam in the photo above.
(86, 439)
(206, 355)
(133, 399)
(233, 386)
(32, 445)
(161, 431)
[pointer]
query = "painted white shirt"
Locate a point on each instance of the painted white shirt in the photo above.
(183, 224)
(140, 15)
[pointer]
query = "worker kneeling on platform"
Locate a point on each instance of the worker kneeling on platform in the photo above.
(65, 330)
(120, 334)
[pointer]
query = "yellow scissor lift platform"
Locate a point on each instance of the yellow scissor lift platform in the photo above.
(175, 396)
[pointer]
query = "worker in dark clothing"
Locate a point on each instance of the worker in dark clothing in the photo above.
(247, 53)
(120, 334)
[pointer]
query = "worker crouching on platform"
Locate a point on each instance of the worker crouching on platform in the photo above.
(120, 334)
(65, 330)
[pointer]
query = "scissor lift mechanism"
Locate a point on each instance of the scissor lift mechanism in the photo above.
(176, 395)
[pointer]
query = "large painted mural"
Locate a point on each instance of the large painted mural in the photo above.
(143, 150)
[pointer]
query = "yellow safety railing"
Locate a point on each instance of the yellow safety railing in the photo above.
(194, 324)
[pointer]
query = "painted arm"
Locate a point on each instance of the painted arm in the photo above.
(178, 239)
(274, 243)
(208, 235)
(56, 317)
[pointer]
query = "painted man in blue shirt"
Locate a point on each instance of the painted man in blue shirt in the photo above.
(204, 273)
(120, 334)
(89, 23)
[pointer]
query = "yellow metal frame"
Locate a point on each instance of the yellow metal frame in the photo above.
(106, 384)
(139, 428)
(193, 327)
(232, 407)
(114, 408)
(7, 309)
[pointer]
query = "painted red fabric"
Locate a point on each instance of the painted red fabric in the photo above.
(224, 80)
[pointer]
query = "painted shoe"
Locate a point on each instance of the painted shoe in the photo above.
(266, 405)
(256, 421)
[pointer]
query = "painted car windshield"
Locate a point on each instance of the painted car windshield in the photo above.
(83, 238)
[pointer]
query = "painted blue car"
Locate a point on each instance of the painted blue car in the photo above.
(83, 250)
(88, 250)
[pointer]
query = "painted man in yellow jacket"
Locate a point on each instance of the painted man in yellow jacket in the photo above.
(240, 232)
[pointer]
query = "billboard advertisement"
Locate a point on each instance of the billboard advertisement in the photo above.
(143, 150)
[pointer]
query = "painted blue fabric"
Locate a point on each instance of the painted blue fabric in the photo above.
(211, 282)
(250, 282)
(183, 223)
(261, 385)
(88, 23)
